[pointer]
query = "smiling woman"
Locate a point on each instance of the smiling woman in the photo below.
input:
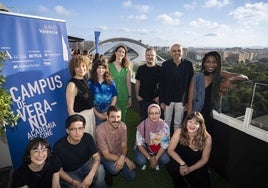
(190, 148)
(152, 139)
(38, 169)
(207, 87)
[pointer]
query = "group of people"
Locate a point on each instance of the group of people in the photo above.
(78, 160)
(96, 142)
(188, 100)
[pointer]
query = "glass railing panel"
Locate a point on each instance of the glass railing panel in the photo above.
(247, 94)
(237, 99)
(259, 104)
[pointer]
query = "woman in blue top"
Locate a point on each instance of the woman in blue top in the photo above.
(103, 88)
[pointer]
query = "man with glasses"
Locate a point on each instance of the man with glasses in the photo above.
(78, 156)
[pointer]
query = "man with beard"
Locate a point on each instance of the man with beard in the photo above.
(147, 81)
(111, 139)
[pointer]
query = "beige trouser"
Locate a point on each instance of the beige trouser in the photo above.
(90, 121)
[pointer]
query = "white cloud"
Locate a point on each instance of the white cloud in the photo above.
(142, 31)
(136, 31)
(127, 3)
(172, 19)
(216, 3)
(138, 18)
(142, 8)
(102, 28)
(201, 23)
(251, 13)
(177, 14)
(211, 35)
(191, 6)
(125, 29)
(61, 10)
(43, 9)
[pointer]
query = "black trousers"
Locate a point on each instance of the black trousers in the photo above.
(199, 178)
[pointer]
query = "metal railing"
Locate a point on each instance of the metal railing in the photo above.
(244, 95)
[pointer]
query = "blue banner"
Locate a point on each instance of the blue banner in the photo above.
(37, 73)
(97, 37)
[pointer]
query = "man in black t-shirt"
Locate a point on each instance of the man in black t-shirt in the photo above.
(147, 80)
(78, 156)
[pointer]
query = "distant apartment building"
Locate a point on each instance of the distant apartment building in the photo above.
(231, 55)
(161, 49)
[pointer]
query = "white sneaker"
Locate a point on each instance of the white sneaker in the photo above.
(143, 167)
(157, 167)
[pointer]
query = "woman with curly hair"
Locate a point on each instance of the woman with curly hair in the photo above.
(79, 97)
(119, 68)
(103, 88)
(189, 149)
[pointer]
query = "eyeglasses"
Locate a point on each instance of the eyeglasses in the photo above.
(154, 113)
(76, 129)
(39, 151)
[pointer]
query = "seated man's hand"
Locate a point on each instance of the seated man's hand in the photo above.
(130, 164)
(119, 164)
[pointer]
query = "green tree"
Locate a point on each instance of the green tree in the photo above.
(7, 116)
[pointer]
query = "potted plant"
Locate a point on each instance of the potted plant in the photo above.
(7, 116)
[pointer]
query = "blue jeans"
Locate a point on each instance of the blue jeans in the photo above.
(125, 171)
(141, 160)
(83, 171)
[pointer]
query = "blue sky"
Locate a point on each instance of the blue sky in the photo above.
(193, 23)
